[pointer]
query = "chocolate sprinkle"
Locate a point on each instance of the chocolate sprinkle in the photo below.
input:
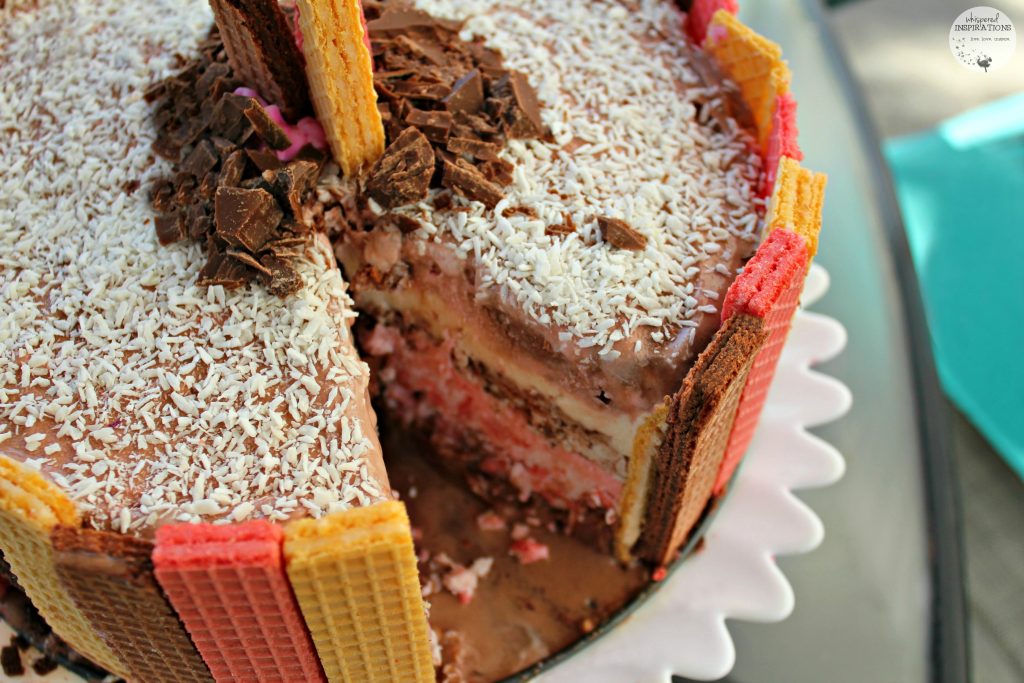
(402, 174)
(621, 234)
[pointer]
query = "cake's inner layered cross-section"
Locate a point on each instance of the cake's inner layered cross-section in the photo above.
(541, 251)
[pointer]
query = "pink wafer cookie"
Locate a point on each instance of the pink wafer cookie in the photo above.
(699, 16)
(768, 288)
(782, 142)
(228, 585)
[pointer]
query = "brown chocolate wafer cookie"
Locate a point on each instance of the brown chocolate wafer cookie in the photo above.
(110, 578)
(263, 53)
(700, 418)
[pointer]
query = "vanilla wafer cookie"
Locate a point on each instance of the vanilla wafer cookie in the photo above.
(340, 72)
(354, 575)
(700, 418)
(29, 508)
(110, 577)
(227, 583)
(796, 203)
(754, 63)
(262, 52)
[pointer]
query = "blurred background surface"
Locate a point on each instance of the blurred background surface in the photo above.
(898, 52)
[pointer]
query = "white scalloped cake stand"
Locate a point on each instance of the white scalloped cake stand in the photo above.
(681, 628)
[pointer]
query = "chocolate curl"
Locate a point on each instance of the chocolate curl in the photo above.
(263, 53)
(340, 71)
(110, 577)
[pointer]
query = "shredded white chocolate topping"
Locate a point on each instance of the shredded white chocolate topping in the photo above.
(144, 396)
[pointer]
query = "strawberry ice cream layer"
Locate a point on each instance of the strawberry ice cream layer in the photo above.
(425, 387)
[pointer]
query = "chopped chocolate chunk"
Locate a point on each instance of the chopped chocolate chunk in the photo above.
(478, 124)
(427, 49)
(224, 271)
(266, 127)
(621, 234)
(434, 124)
(470, 183)
(223, 146)
(263, 53)
(406, 224)
(284, 280)
(264, 159)
(233, 169)
(170, 228)
(420, 90)
(10, 660)
(154, 92)
(246, 218)
(527, 211)
(290, 183)
(228, 119)
(130, 186)
(485, 151)
(467, 94)
(498, 171)
(566, 227)
(161, 196)
(208, 186)
(44, 666)
(311, 153)
(524, 118)
(248, 260)
(400, 19)
(201, 159)
(402, 174)
(216, 72)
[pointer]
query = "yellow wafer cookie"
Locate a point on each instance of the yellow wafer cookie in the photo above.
(340, 72)
(796, 203)
(354, 575)
(754, 63)
(29, 508)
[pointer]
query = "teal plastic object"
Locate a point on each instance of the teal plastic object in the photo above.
(961, 191)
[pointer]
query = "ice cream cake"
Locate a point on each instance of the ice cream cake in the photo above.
(570, 237)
